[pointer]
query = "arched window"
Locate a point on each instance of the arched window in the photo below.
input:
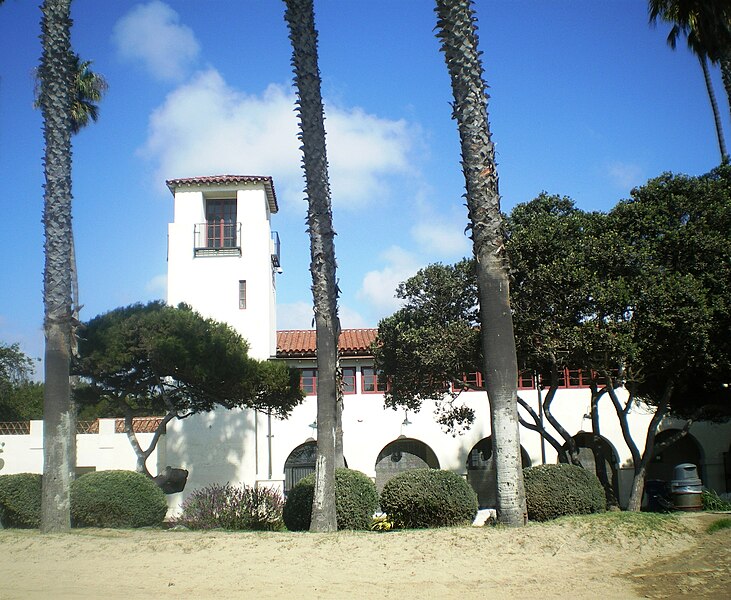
(403, 454)
(299, 464)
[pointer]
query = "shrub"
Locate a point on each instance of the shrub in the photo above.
(233, 507)
(712, 501)
(428, 498)
(556, 490)
(356, 499)
(20, 500)
(116, 499)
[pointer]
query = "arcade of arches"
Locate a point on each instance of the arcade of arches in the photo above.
(404, 454)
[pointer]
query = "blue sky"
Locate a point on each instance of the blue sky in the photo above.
(586, 100)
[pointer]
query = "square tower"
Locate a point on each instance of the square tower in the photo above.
(223, 256)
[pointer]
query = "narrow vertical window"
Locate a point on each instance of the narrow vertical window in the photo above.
(242, 294)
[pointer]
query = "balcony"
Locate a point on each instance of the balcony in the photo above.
(274, 248)
(217, 238)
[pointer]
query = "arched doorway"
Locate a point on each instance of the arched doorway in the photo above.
(481, 471)
(592, 447)
(403, 454)
(685, 450)
(299, 463)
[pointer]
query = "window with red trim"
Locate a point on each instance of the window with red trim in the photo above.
(472, 382)
(576, 378)
(221, 223)
(308, 381)
(348, 380)
(525, 380)
(568, 378)
(373, 382)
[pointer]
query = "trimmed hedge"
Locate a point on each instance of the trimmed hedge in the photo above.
(356, 499)
(116, 499)
(556, 490)
(20, 500)
(428, 498)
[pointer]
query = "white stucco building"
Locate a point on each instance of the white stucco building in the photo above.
(223, 260)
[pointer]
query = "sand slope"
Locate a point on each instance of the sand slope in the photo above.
(576, 558)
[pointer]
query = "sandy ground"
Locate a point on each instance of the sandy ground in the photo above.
(574, 558)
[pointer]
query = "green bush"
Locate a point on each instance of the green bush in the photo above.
(556, 490)
(20, 500)
(428, 498)
(356, 499)
(116, 499)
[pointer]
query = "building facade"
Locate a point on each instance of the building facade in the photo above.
(259, 449)
(224, 260)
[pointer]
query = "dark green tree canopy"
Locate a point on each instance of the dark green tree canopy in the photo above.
(646, 287)
(676, 231)
(21, 398)
(160, 359)
(427, 346)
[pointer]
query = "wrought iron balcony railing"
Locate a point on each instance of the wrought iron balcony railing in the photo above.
(217, 238)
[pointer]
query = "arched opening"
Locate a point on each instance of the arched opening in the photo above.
(593, 448)
(299, 464)
(481, 471)
(685, 450)
(403, 454)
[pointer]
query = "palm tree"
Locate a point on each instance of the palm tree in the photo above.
(300, 18)
(457, 30)
(706, 25)
(89, 87)
(88, 90)
(59, 431)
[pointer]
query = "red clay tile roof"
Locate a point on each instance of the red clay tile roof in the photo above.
(301, 342)
(228, 180)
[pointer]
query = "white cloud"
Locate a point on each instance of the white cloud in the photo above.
(296, 315)
(206, 127)
(152, 34)
(624, 175)
(362, 149)
(379, 287)
(299, 315)
(442, 236)
(157, 286)
(351, 319)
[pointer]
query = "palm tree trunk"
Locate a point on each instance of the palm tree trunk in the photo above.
(714, 107)
(457, 32)
(301, 21)
(59, 429)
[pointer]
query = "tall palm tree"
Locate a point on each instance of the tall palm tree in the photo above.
(300, 18)
(59, 431)
(457, 30)
(706, 25)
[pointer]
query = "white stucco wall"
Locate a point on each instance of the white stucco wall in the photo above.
(233, 446)
(102, 451)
